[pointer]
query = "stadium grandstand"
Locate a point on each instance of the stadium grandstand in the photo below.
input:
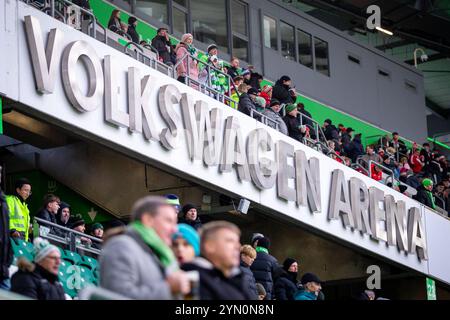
(224, 149)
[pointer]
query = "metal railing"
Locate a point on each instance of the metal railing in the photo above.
(357, 166)
(317, 129)
(46, 231)
(263, 118)
(391, 173)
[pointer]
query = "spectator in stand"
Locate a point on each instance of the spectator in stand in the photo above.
(48, 212)
(404, 164)
(173, 200)
(218, 266)
(330, 131)
(39, 280)
(434, 169)
(63, 215)
(447, 200)
(79, 225)
(266, 93)
(355, 148)
(416, 162)
(97, 232)
(377, 174)
(185, 244)
(255, 237)
(241, 88)
(213, 77)
(424, 193)
(183, 50)
(302, 111)
(247, 101)
(85, 5)
(346, 138)
(311, 287)
(425, 154)
(233, 70)
(439, 195)
(273, 113)
(114, 23)
(6, 253)
(397, 144)
(190, 216)
(163, 45)
(139, 263)
(389, 163)
(341, 129)
(248, 255)
(282, 91)
(19, 214)
(292, 123)
(264, 266)
(247, 75)
(132, 24)
(261, 291)
(410, 179)
(370, 156)
(286, 285)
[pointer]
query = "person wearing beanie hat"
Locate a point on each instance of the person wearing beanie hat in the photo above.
(311, 287)
(174, 201)
(190, 216)
(63, 215)
(97, 231)
(79, 225)
(286, 285)
(185, 244)
(273, 113)
(182, 50)
(282, 91)
(247, 101)
(264, 266)
(261, 291)
(255, 237)
(39, 280)
(425, 195)
(132, 32)
(292, 122)
(212, 50)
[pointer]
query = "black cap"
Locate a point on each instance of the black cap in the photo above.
(264, 242)
(252, 91)
(310, 277)
(288, 263)
(274, 102)
(350, 130)
(402, 188)
(211, 46)
(163, 28)
(76, 222)
(285, 78)
(328, 121)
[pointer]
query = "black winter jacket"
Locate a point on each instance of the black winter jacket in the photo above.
(133, 33)
(37, 284)
(250, 279)
(331, 133)
(246, 104)
(281, 93)
(292, 125)
(196, 224)
(285, 287)
(47, 216)
(423, 197)
(215, 286)
(263, 269)
(6, 254)
(161, 44)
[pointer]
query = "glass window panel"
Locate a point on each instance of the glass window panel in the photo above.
(153, 8)
(270, 33)
(209, 22)
(304, 49)
(179, 20)
(240, 48)
(287, 41)
(321, 53)
(239, 17)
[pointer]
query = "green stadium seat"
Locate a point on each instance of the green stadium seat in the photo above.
(89, 262)
(21, 250)
(28, 246)
(73, 257)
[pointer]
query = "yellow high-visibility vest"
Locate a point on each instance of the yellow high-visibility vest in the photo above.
(19, 215)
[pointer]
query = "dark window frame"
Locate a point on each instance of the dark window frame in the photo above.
(277, 33)
(297, 41)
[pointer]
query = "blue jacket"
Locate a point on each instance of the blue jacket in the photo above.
(305, 295)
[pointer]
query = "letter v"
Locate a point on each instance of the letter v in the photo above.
(44, 62)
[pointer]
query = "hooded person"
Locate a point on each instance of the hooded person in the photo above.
(39, 280)
(132, 24)
(190, 216)
(425, 193)
(264, 266)
(185, 244)
(286, 285)
(282, 90)
(63, 215)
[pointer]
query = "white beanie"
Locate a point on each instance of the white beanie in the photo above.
(42, 248)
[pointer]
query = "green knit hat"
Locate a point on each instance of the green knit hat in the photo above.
(427, 182)
(290, 107)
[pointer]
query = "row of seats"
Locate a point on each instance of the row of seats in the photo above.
(75, 271)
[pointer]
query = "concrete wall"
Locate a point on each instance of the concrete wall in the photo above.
(358, 90)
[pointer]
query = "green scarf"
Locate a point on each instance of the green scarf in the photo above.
(261, 249)
(192, 51)
(155, 243)
(432, 199)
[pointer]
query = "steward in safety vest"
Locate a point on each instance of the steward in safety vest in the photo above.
(19, 214)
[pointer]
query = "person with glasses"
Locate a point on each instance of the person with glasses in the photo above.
(19, 214)
(39, 280)
(50, 207)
